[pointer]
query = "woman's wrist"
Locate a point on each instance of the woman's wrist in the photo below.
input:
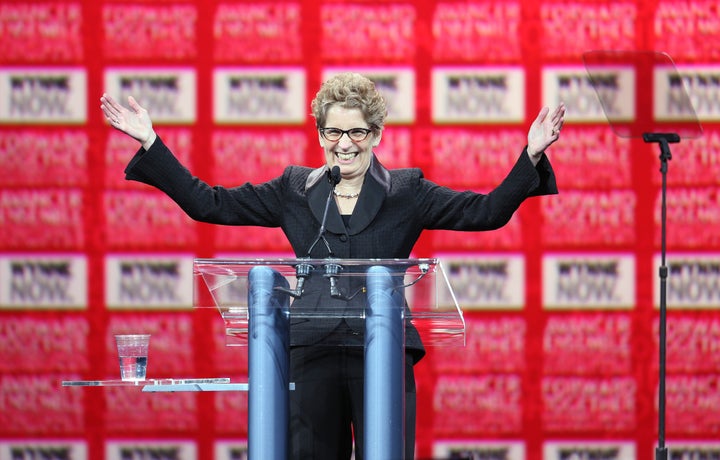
(534, 156)
(150, 140)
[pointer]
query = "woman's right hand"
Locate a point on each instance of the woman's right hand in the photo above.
(135, 122)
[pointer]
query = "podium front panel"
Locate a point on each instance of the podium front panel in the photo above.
(324, 291)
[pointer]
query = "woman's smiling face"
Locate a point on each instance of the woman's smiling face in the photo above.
(353, 157)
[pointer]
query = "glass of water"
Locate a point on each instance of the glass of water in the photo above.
(133, 355)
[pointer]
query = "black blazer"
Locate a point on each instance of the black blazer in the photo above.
(393, 208)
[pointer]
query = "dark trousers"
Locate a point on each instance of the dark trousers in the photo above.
(326, 407)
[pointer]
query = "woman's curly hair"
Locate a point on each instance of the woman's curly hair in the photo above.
(352, 91)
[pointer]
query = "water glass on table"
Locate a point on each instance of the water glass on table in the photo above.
(133, 355)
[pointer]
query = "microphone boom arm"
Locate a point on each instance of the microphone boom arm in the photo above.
(302, 270)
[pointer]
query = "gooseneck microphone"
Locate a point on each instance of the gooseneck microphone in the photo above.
(334, 180)
(331, 268)
(302, 270)
(335, 176)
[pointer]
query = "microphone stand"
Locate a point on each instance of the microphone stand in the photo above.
(664, 139)
(302, 270)
(331, 268)
(321, 233)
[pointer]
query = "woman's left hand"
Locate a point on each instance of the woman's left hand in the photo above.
(544, 131)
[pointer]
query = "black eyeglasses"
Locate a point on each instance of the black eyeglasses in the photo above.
(355, 134)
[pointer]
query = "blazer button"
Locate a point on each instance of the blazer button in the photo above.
(343, 238)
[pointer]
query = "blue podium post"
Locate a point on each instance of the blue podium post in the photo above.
(384, 367)
(268, 364)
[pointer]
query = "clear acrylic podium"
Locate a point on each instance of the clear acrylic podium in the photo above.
(267, 304)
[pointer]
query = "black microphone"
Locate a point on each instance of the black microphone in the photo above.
(334, 179)
(302, 270)
(331, 268)
(335, 176)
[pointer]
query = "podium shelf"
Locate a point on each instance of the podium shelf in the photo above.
(144, 383)
(168, 385)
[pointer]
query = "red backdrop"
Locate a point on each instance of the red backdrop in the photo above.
(561, 304)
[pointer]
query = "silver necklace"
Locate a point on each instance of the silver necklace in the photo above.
(346, 195)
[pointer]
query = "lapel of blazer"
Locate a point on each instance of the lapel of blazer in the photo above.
(318, 189)
(373, 193)
(374, 190)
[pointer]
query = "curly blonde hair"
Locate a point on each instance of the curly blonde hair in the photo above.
(352, 91)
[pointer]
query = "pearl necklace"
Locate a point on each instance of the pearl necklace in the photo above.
(346, 195)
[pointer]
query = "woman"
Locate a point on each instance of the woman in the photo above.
(376, 213)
